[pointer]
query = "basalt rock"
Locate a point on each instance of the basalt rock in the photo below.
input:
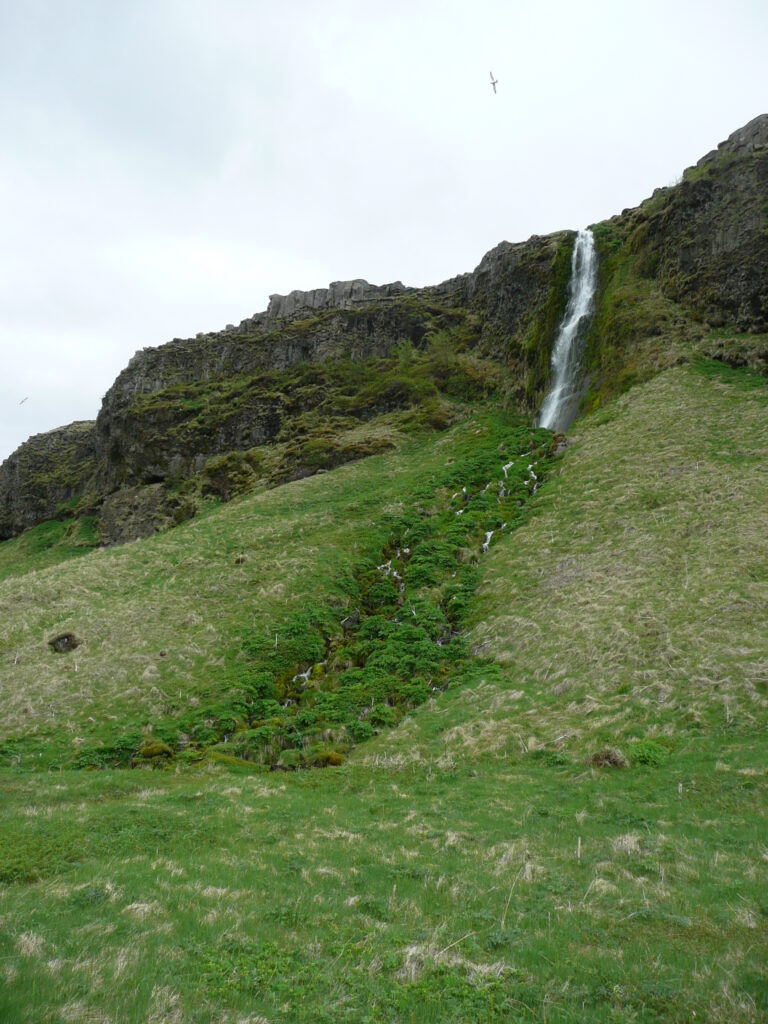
(702, 243)
(134, 512)
(144, 436)
(706, 238)
(338, 295)
(44, 474)
(64, 643)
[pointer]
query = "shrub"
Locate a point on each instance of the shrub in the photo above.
(648, 753)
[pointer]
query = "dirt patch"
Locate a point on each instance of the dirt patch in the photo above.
(64, 642)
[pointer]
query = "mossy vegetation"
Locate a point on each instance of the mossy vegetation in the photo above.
(636, 331)
(341, 388)
(283, 425)
(46, 477)
(47, 544)
(538, 334)
(264, 675)
(305, 688)
(737, 349)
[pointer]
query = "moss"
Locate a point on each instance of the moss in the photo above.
(155, 748)
(227, 760)
(231, 474)
(45, 476)
(537, 338)
(326, 759)
(290, 760)
(636, 331)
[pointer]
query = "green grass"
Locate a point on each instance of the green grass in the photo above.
(47, 544)
(423, 891)
(738, 350)
(473, 864)
(640, 592)
(197, 634)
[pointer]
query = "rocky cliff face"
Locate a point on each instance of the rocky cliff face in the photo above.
(706, 239)
(143, 438)
(44, 474)
(338, 295)
(743, 142)
(698, 249)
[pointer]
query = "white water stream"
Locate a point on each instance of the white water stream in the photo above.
(561, 403)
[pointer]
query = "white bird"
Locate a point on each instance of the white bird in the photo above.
(494, 82)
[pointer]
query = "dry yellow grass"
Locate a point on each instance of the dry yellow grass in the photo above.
(637, 597)
(157, 617)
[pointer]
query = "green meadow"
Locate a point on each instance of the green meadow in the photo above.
(544, 785)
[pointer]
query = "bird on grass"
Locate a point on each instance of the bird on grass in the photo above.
(494, 83)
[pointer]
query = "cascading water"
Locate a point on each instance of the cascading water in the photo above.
(560, 405)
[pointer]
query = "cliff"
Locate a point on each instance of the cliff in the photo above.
(293, 378)
(707, 238)
(45, 474)
(687, 264)
(174, 407)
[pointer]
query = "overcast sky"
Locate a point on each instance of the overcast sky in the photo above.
(165, 165)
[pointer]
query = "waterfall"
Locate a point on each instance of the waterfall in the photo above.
(560, 405)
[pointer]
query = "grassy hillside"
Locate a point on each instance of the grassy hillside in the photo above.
(635, 606)
(574, 830)
(200, 636)
(46, 544)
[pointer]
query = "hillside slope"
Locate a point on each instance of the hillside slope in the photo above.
(574, 830)
(204, 634)
(634, 604)
(533, 670)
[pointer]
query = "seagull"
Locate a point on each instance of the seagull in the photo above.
(23, 400)
(494, 82)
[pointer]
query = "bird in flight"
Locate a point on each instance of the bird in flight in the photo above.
(23, 400)
(494, 82)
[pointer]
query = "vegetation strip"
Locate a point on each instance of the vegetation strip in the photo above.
(306, 695)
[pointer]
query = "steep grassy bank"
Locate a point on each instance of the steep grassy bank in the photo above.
(631, 611)
(46, 544)
(227, 633)
(490, 859)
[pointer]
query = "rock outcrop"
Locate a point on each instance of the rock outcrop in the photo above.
(140, 437)
(702, 244)
(338, 295)
(44, 474)
(706, 239)
(742, 142)
(135, 512)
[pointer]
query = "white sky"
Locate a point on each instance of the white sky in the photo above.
(167, 164)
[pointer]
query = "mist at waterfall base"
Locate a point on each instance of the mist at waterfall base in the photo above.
(561, 404)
